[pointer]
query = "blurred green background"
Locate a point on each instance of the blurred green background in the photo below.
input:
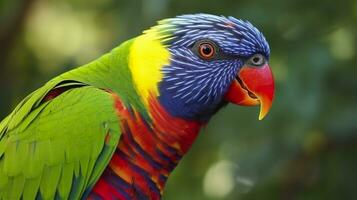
(306, 148)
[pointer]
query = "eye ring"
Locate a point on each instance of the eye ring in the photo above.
(257, 60)
(206, 50)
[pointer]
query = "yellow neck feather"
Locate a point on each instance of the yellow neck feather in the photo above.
(147, 56)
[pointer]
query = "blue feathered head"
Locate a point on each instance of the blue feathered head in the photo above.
(213, 60)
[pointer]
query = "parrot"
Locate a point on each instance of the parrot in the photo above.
(116, 128)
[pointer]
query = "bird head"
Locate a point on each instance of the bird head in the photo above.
(195, 64)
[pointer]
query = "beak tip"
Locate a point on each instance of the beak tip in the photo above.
(261, 116)
(265, 106)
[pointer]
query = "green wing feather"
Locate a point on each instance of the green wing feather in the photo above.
(57, 148)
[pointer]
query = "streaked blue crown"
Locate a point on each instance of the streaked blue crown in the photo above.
(193, 88)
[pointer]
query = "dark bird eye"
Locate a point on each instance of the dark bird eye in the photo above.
(206, 49)
(257, 60)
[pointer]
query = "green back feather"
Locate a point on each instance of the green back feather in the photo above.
(57, 148)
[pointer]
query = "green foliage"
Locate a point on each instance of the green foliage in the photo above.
(304, 149)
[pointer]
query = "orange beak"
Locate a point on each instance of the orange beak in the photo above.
(253, 86)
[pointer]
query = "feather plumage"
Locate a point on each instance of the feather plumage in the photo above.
(117, 127)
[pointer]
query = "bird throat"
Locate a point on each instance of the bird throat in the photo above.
(146, 154)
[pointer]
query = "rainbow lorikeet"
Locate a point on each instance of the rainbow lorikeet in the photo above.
(115, 128)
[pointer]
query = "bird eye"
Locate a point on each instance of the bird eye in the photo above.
(257, 60)
(206, 50)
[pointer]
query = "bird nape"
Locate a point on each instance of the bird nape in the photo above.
(116, 128)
